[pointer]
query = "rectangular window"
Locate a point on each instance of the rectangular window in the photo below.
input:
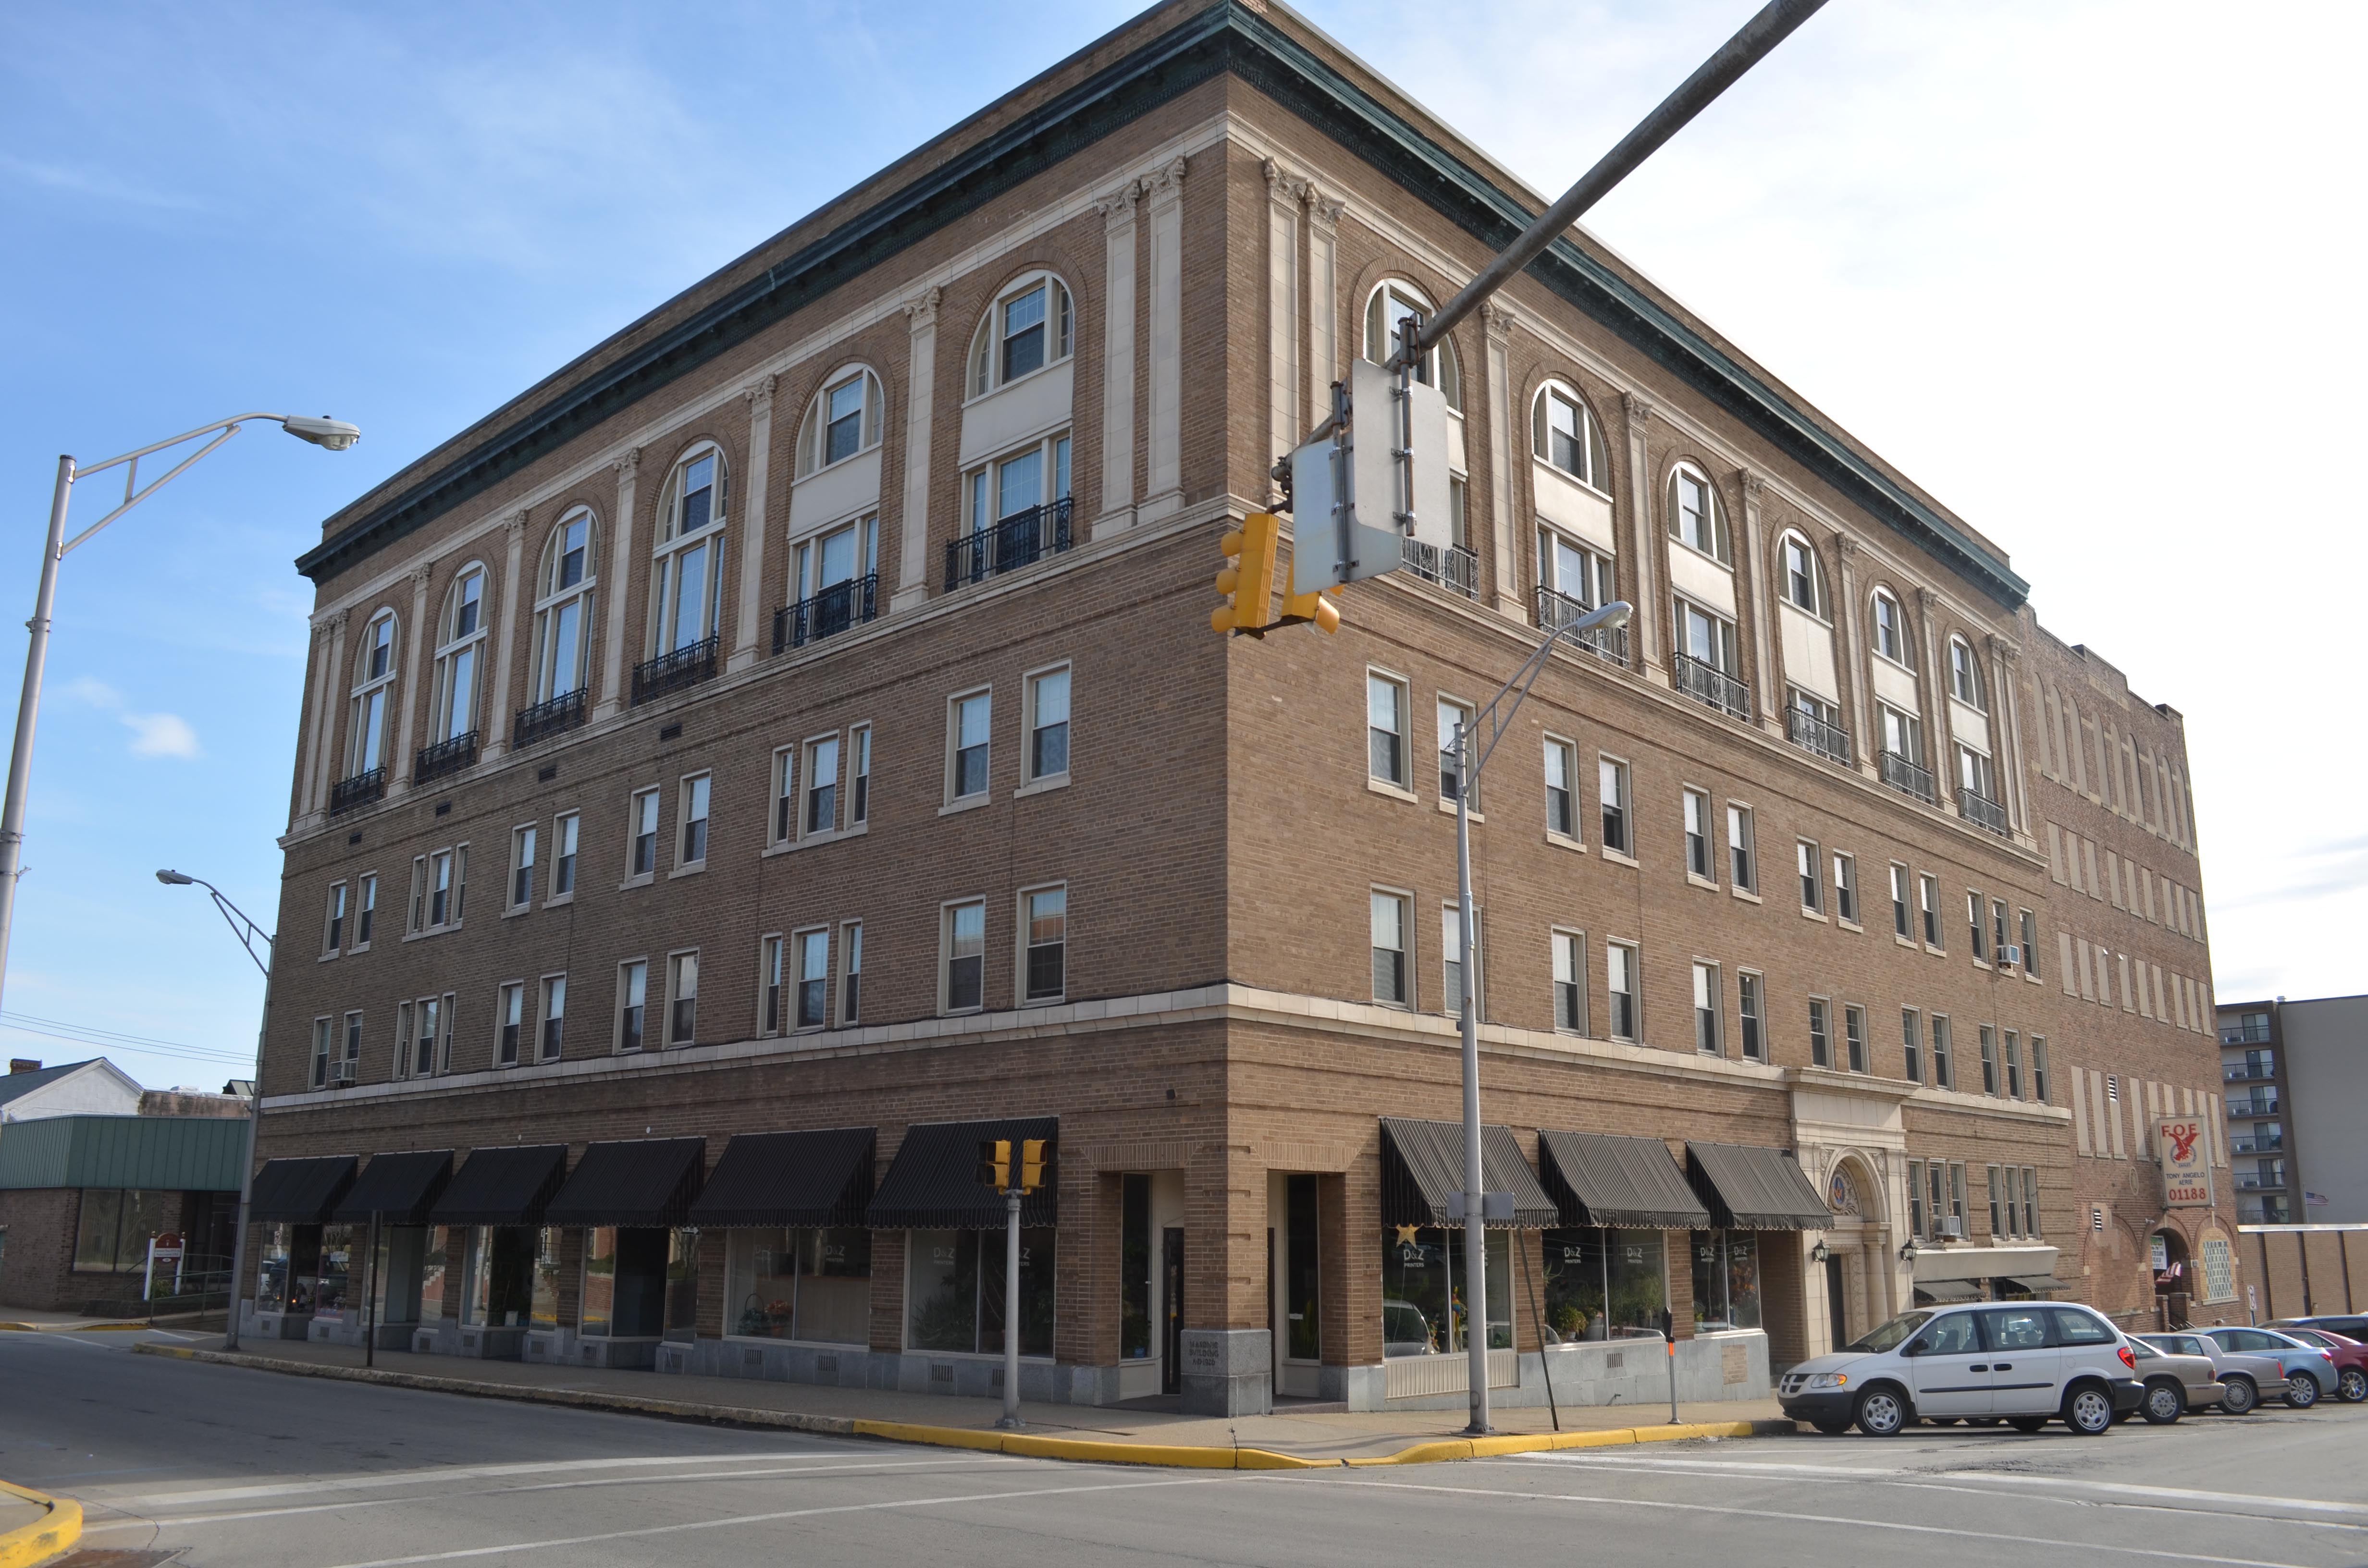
(1928, 894)
(2014, 1066)
(1811, 869)
(2030, 1200)
(822, 787)
(1611, 781)
(1620, 980)
(562, 853)
(1974, 929)
(1912, 1044)
(692, 842)
(1453, 714)
(1846, 888)
(1741, 863)
(323, 1037)
(367, 912)
(785, 794)
(1562, 788)
(1045, 914)
(632, 1004)
(771, 963)
(2031, 944)
(442, 906)
(513, 1021)
(417, 921)
(968, 724)
(1854, 1038)
(858, 798)
(1706, 994)
(2001, 937)
(966, 960)
(1957, 1194)
(1936, 1181)
(1747, 1011)
(1944, 1070)
(521, 866)
(1821, 1049)
(403, 1047)
(1917, 1221)
(353, 1061)
(1450, 959)
(1048, 724)
(1570, 981)
(1899, 925)
(333, 938)
(1999, 1225)
(554, 1015)
(850, 981)
(1698, 835)
(682, 999)
(643, 859)
(2039, 1068)
(814, 979)
(1390, 971)
(1385, 718)
(1990, 1060)
(431, 1015)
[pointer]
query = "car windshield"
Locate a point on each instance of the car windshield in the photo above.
(1893, 1333)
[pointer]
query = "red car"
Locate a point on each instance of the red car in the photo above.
(2350, 1356)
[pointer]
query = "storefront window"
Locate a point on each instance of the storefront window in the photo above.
(682, 1285)
(954, 1284)
(543, 1299)
(626, 1272)
(431, 1274)
(1599, 1281)
(1134, 1268)
(1726, 1279)
(334, 1273)
(799, 1284)
(112, 1230)
(1304, 1272)
(1424, 1312)
(271, 1275)
(502, 1279)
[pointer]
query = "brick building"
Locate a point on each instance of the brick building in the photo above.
(786, 745)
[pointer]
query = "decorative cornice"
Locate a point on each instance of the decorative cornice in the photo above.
(332, 622)
(419, 575)
(922, 313)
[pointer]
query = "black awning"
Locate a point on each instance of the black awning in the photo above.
(2039, 1284)
(1752, 1189)
(1422, 1166)
(1946, 1292)
(398, 1188)
(1597, 1180)
(790, 1178)
(509, 1185)
(643, 1181)
(932, 1185)
(301, 1191)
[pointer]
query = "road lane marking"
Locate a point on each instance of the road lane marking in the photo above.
(436, 1474)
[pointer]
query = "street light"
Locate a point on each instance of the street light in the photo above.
(248, 933)
(334, 433)
(1467, 773)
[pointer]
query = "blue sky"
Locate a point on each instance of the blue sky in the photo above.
(2081, 268)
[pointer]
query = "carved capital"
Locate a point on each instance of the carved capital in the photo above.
(2006, 648)
(513, 527)
(1754, 485)
(332, 622)
(1847, 545)
(1118, 208)
(1926, 600)
(629, 463)
(1323, 211)
(1287, 188)
(419, 575)
(1499, 320)
(922, 313)
(1639, 411)
(1168, 178)
(759, 393)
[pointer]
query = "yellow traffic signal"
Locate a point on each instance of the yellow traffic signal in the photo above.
(1248, 579)
(1313, 608)
(1031, 1163)
(995, 1163)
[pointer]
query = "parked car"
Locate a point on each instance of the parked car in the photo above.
(2175, 1384)
(1404, 1330)
(2352, 1325)
(2351, 1355)
(2027, 1363)
(2242, 1377)
(2310, 1371)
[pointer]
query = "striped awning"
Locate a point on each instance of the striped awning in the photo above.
(1599, 1180)
(932, 1185)
(1749, 1189)
(639, 1182)
(509, 1186)
(1422, 1174)
(301, 1192)
(398, 1188)
(790, 1178)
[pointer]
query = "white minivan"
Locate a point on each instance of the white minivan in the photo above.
(2023, 1362)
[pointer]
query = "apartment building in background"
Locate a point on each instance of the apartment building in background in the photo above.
(2297, 1086)
(786, 746)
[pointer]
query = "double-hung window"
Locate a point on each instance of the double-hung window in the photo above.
(366, 911)
(1706, 994)
(1919, 1217)
(1912, 1044)
(964, 982)
(513, 1022)
(1621, 982)
(1697, 810)
(1562, 788)
(1450, 959)
(1452, 716)
(969, 722)
(822, 787)
(563, 829)
(2014, 1066)
(1611, 786)
(2029, 944)
(1570, 981)
(1928, 894)
(1812, 872)
(1890, 630)
(1846, 888)
(642, 856)
(1900, 925)
(1976, 927)
(691, 846)
(1902, 733)
(1854, 1038)
(563, 611)
(2001, 934)
(1578, 577)
(851, 977)
(687, 575)
(859, 790)
(333, 938)
(2039, 1068)
(1385, 727)
(771, 959)
(1944, 1069)
(1391, 971)
(1821, 1049)
(1742, 866)
(324, 1036)
(460, 654)
(814, 978)
(1564, 433)
(1990, 1059)
(1048, 725)
(682, 998)
(554, 1016)
(522, 866)
(440, 885)
(784, 824)
(373, 696)
(1695, 517)
(1964, 674)
(1747, 1016)
(1028, 327)
(1044, 966)
(632, 1004)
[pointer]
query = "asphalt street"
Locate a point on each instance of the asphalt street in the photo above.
(231, 1466)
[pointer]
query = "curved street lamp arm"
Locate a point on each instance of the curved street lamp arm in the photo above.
(134, 491)
(245, 930)
(1526, 676)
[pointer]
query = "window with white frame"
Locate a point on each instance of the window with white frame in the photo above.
(353, 1058)
(1044, 965)
(1578, 573)
(1975, 775)
(1695, 517)
(772, 972)
(1748, 1016)
(374, 697)
(440, 889)
(1706, 994)
(460, 654)
(783, 824)
(1027, 327)
(1450, 959)
(2039, 1068)
(2001, 934)
(1911, 1043)
(964, 983)
(1395, 307)
(1891, 629)
(1385, 728)
(1562, 433)
(550, 1036)
(821, 814)
(522, 847)
(1621, 984)
(1990, 1059)
(1697, 812)
(365, 911)
(564, 829)
(642, 851)
(1944, 1068)
(564, 586)
(687, 574)
(1016, 485)
(1742, 859)
(833, 560)
(1570, 981)
(432, 1045)
(843, 420)
(1453, 714)
(850, 972)
(1854, 1038)
(1813, 881)
(1706, 638)
(632, 1004)
(1902, 733)
(1846, 888)
(1048, 724)
(1391, 972)
(682, 998)
(2014, 1066)
(968, 725)
(690, 840)
(333, 939)
(510, 1013)
(814, 978)
(1803, 582)
(1927, 900)
(1965, 673)
(1611, 792)
(2029, 946)
(1821, 1045)
(324, 1036)
(1900, 913)
(858, 789)
(1976, 927)
(1562, 787)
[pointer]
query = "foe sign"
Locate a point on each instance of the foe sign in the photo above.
(1324, 554)
(2186, 1175)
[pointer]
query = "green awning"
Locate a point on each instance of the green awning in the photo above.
(1599, 1180)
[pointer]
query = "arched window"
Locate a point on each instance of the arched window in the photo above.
(1803, 582)
(1392, 305)
(1965, 673)
(563, 607)
(1695, 517)
(1564, 433)
(687, 584)
(1027, 328)
(1891, 629)
(374, 697)
(459, 656)
(843, 419)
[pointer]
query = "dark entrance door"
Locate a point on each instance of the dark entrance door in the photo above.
(1171, 1308)
(1837, 1302)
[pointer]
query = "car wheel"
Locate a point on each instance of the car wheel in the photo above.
(2302, 1392)
(2088, 1410)
(1831, 1429)
(2028, 1423)
(2352, 1387)
(2238, 1395)
(2163, 1405)
(1880, 1412)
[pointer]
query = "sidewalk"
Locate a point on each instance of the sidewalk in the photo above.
(1121, 1434)
(25, 1320)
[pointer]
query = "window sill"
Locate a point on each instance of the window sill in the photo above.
(1383, 786)
(517, 909)
(694, 868)
(644, 880)
(1818, 915)
(1614, 857)
(559, 901)
(422, 936)
(1982, 964)
(1563, 841)
(1043, 786)
(816, 840)
(1702, 882)
(358, 948)
(1936, 952)
(331, 956)
(1746, 894)
(1849, 924)
(959, 1012)
(1447, 808)
(2033, 978)
(1900, 941)
(967, 803)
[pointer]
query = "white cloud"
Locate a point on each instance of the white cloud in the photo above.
(97, 692)
(162, 734)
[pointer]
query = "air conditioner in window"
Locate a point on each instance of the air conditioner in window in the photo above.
(2009, 956)
(341, 1073)
(1952, 1229)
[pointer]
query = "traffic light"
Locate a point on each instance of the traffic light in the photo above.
(1031, 1163)
(995, 1162)
(1247, 578)
(1313, 608)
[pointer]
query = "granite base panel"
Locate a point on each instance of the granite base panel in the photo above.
(855, 1366)
(1710, 1369)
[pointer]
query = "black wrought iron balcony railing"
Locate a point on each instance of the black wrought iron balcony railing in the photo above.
(2259, 1104)
(2257, 1143)
(1814, 735)
(833, 610)
(1904, 776)
(1976, 807)
(1709, 683)
(1558, 610)
(653, 678)
(358, 790)
(1020, 540)
(2245, 1034)
(444, 757)
(545, 720)
(2260, 1181)
(2247, 1071)
(1453, 568)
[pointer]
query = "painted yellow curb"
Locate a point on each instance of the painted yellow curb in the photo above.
(1554, 1443)
(1095, 1451)
(45, 1537)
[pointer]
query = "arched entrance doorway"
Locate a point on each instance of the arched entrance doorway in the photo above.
(2173, 1269)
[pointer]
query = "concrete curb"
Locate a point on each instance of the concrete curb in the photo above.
(77, 1328)
(39, 1542)
(1018, 1444)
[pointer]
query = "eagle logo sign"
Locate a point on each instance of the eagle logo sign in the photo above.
(2182, 1141)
